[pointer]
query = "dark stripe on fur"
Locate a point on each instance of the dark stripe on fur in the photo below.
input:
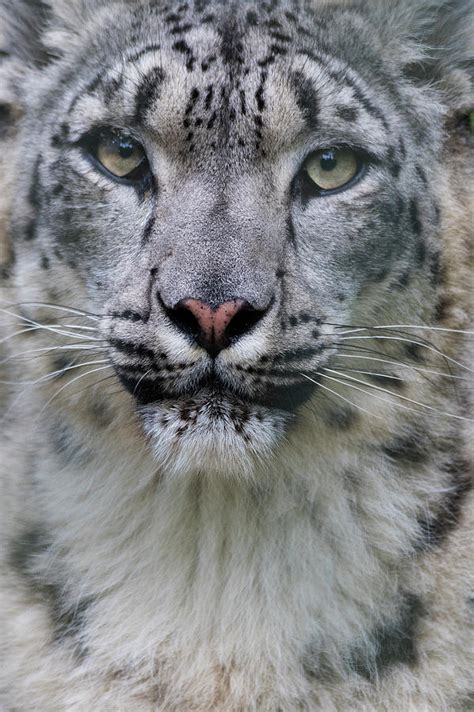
(347, 113)
(391, 643)
(5, 120)
(298, 354)
(127, 347)
(410, 449)
(25, 558)
(148, 92)
(394, 642)
(339, 77)
(128, 315)
(68, 447)
(435, 528)
(34, 198)
(148, 230)
(145, 390)
(141, 53)
(307, 99)
(89, 89)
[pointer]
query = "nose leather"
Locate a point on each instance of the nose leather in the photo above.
(213, 322)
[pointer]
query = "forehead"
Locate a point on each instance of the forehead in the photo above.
(238, 77)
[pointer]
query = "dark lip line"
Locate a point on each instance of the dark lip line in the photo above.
(285, 398)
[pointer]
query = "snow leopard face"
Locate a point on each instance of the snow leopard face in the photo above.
(229, 188)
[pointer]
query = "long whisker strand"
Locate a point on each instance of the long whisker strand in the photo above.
(392, 393)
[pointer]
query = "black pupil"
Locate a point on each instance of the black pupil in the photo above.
(328, 160)
(126, 149)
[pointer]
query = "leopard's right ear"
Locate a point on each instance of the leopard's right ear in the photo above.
(23, 52)
(33, 35)
(22, 24)
(10, 113)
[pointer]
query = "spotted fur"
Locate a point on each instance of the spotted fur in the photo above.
(286, 525)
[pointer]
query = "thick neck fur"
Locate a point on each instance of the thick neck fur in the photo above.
(192, 579)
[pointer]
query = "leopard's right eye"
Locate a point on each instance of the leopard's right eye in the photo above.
(119, 155)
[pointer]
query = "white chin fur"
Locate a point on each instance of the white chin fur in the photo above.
(211, 435)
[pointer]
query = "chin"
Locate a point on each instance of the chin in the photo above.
(212, 434)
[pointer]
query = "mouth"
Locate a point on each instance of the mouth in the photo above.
(214, 390)
(217, 425)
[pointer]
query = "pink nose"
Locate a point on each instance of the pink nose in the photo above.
(214, 328)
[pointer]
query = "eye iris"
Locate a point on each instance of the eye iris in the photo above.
(332, 168)
(121, 155)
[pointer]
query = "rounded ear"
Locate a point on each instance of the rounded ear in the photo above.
(24, 25)
(10, 113)
(440, 38)
(21, 50)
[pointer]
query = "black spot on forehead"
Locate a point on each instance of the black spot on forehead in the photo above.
(147, 92)
(183, 48)
(306, 99)
(231, 42)
(347, 113)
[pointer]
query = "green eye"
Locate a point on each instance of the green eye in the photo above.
(332, 168)
(120, 154)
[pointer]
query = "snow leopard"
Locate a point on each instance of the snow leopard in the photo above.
(236, 355)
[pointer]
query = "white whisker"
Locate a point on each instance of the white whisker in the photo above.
(49, 349)
(372, 373)
(423, 327)
(396, 395)
(404, 365)
(326, 388)
(410, 341)
(52, 374)
(54, 328)
(18, 333)
(58, 307)
(70, 383)
(78, 326)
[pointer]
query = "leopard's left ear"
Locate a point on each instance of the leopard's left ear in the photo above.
(450, 62)
(434, 42)
(449, 49)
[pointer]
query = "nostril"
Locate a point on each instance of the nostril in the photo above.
(242, 322)
(185, 320)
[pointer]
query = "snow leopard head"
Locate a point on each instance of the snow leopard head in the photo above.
(229, 189)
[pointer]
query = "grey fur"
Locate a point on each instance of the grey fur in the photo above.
(291, 491)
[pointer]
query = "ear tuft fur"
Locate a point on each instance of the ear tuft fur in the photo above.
(39, 31)
(21, 27)
(439, 40)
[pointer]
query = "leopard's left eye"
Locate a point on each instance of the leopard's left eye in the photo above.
(120, 155)
(332, 168)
